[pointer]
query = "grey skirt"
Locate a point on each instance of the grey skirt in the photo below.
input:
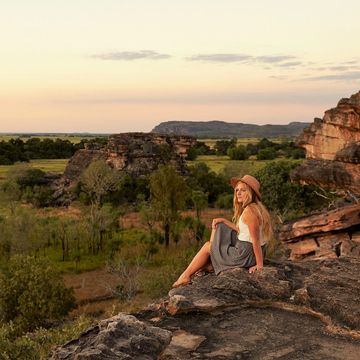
(227, 251)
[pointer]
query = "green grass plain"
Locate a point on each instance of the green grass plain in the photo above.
(218, 163)
(244, 141)
(75, 139)
(47, 165)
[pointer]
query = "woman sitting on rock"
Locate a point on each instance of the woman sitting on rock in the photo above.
(240, 243)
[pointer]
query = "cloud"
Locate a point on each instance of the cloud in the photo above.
(271, 59)
(132, 55)
(349, 75)
(279, 77)
(222, 58)
(290, 64)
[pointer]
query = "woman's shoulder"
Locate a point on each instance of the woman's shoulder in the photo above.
(250, 213)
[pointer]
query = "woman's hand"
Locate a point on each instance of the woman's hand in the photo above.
(254, 268)
(217, 221)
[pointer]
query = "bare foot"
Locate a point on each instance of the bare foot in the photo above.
(182, 280)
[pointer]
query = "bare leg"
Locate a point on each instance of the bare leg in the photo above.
(198, 262)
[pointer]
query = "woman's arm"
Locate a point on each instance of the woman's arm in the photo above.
(226, 222)
(252, 221)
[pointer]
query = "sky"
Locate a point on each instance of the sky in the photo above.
(115, 66)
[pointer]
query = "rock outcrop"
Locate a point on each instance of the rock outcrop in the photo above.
(328, 234)
(332, 147)
(289, 310)
(120, 337)
(136, 154)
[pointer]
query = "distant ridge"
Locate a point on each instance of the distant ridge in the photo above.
(219, 129)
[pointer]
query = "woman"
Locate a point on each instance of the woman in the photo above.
(240, 243)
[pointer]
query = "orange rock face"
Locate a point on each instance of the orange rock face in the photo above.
(332, 147)
(339, 128)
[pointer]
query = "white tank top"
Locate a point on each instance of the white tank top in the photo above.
(244, 233)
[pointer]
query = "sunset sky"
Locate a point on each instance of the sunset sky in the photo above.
(113, 66)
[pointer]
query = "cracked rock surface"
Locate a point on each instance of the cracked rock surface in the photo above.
(288, 310)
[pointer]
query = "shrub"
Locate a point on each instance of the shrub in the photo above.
(287, 199)
(266, 154)
(33, 294)
(238, 153)
(224, 201)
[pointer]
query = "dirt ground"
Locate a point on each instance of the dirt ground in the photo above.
(133, 220)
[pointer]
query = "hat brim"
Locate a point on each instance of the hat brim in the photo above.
(234, 181)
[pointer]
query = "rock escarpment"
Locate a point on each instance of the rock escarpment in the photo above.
(289, 310)
(332, 147)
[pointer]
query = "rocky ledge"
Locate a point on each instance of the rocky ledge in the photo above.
(288, 310)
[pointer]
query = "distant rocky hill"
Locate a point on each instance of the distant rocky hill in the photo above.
(224, 129)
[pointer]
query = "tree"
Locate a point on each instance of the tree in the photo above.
(199, 200)
(168, 192)
(266, 154)
(238, 153)
(98, 179)
(265, 143)
(201, 178)
(222, 146)
(279, 194)
(191, 154)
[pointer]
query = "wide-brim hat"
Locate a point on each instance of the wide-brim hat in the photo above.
(248, 180)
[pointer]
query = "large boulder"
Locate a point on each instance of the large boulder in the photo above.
(120, 337)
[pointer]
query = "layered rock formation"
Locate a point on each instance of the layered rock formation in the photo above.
(329, 234)
(286, 311)
(332, 147)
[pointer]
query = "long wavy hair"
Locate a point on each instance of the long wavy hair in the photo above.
(253, 202)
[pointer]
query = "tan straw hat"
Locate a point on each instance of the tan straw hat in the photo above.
(248, 180)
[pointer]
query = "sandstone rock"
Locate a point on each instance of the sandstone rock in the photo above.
(339, 128)
(182, 344)
(328, 234)
(332, 148)
(329, 174)
(288, 310)
(329, 286)
(346, 217)
(135, 153)
(120, 337)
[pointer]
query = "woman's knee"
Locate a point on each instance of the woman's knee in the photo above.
(207, 246)
(220, 226)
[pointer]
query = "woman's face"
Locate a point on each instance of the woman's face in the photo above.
(241, 192)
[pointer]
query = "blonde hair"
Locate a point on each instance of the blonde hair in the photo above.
(256, 206)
